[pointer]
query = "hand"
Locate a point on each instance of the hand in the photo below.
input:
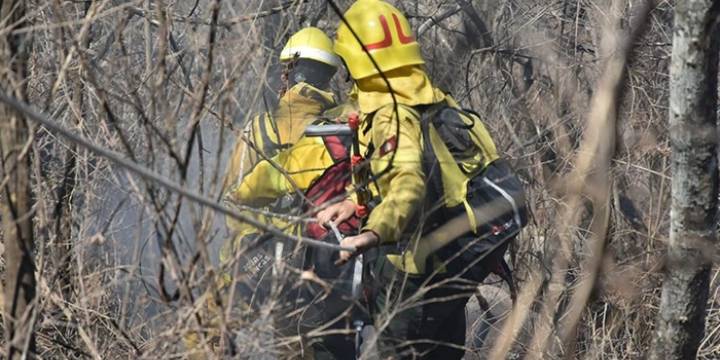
(360, 242)
(336, 213)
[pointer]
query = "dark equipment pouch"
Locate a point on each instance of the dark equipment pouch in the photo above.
(453, 129)
(499, 185)
(498, 197)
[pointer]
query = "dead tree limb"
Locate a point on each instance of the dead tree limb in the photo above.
(693, 215)
(15, 198)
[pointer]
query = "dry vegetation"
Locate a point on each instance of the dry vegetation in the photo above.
(124, 265)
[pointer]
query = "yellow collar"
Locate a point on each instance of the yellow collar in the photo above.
(410, 85)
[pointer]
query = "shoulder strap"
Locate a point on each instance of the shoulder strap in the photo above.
(337, 146)
(269, 147)
(431, 167)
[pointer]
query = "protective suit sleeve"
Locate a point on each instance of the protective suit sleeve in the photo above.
(291, 170)
(400, 178)
(243, 157)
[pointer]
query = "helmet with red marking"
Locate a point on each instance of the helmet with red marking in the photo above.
(383, 31)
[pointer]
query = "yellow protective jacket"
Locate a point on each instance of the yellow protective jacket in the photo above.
(398, 152)
(271, 132)
(291, 170)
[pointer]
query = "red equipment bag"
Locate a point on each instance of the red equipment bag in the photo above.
(332, 185)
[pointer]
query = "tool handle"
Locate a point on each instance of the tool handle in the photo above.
(329, 130)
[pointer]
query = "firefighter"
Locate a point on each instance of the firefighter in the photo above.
(289, 166)
(305, 165)
(309, 63)
(319, 167)
(393, 94)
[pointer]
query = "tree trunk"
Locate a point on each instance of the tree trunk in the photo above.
(16, 203)
(693, 98)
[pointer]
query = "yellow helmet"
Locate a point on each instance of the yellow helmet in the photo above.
(310, 43)
(386, 34)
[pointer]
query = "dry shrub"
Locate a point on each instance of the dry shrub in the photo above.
(125, 267)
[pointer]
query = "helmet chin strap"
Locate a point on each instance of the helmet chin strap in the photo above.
(286, 76)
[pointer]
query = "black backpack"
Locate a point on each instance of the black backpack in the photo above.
(496, 188)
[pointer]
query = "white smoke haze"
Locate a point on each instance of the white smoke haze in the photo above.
(127, 268)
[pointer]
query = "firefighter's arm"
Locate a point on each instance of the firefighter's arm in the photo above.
(259, 187)
(402, 186)
(295, 167)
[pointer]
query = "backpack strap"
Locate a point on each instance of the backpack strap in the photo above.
(337, 147)
(269, 147)
(431, 166)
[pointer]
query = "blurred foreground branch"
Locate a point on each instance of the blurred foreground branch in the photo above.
(588, 194)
